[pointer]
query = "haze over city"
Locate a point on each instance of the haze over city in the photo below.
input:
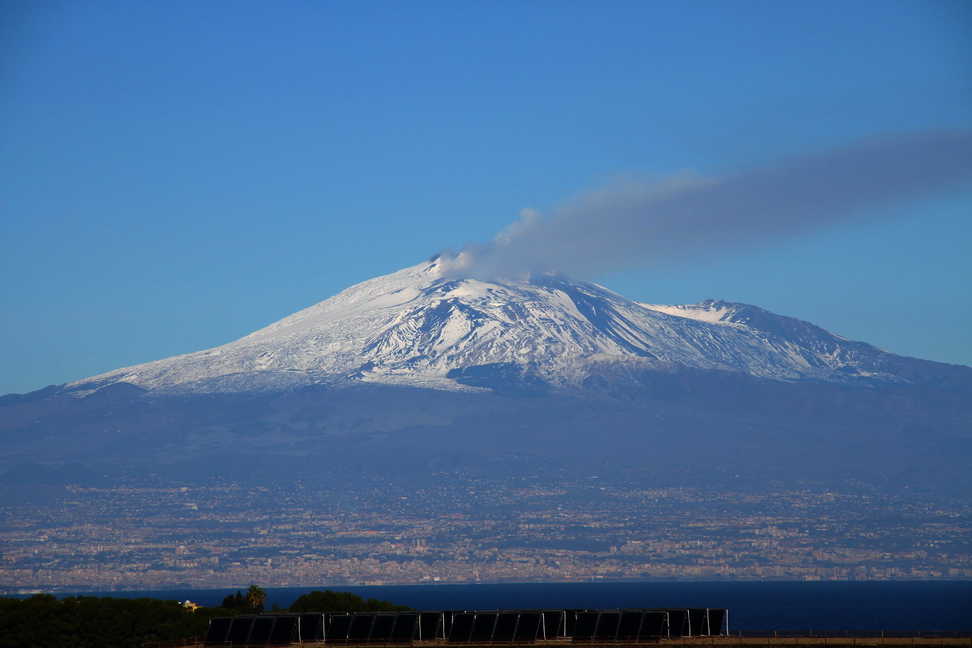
(177, 175)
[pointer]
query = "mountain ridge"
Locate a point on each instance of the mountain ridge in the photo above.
(424, 327)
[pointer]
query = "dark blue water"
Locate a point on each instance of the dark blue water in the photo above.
(827, 606)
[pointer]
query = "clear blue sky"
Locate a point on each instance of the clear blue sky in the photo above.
(175, 175)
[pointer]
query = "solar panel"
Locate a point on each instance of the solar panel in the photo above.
(717, 619)
(261, 629)
(607, 625)
(699, 622)
(483, 626)
(570, 620)
(462, 625)
(678, 623)
(284, 630)
(630, 627)
(431, 626)
(447, 618)
(405, 627)
(554, 624)
(505, 629)
(381, 629)
(337, 629)
(239, 630)
(529, 625)
(218, 629)
(361, 626)
(585, 626)
(311, 627)
(654, 624)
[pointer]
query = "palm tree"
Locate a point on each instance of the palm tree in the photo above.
(255, 596)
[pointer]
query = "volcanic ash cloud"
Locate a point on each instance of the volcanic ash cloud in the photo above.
(633, 223)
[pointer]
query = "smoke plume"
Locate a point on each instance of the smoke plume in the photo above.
(647, 223)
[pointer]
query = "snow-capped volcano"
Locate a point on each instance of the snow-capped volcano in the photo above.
(422, 326)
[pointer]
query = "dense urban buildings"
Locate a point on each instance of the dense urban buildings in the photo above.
(464, 528)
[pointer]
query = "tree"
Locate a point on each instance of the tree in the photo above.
(328, 601)
(234, 602)
(249, 603)
(255, 596)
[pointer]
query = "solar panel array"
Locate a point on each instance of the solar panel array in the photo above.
(465, 627)
(265, 629)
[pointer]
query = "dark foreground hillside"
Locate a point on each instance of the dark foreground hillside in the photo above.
(43, 621)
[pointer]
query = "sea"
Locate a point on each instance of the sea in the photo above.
(754, 607)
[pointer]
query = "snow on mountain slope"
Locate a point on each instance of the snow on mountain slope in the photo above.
(417, 325)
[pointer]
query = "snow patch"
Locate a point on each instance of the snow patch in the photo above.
(693, 312)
